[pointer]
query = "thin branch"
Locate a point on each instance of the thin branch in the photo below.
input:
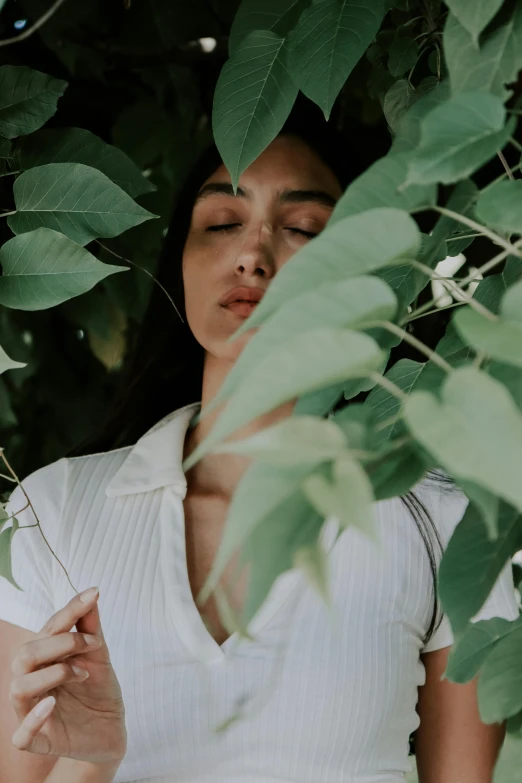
(433, 312)
(516, 144)
(391, 387)
(505, 164)
(11, 471)
(498, 240)
(108, 249)
(36, 26)
(452, 286)
(409, 338)
(6, 214)
(501, 177)
(8, 173)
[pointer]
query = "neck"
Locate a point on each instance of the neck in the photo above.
(220, 473)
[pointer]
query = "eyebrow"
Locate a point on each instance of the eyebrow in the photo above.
(286, 196)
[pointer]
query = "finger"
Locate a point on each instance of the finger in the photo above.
(36, 684)
(38, 653)
(26, 734)
(90, 623)
(66, 617)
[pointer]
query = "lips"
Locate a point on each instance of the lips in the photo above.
(243, 294)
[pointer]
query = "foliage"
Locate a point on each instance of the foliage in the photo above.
(442, 76)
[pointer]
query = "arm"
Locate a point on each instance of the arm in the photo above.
(72, 771)
(452, 745)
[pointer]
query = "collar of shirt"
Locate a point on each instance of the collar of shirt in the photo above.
(156, 458)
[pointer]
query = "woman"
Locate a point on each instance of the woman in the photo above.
(317, 700)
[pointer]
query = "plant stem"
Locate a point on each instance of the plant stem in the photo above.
(108, 249)
(391, 387)
(6, 214)
(500, 178)
(36, 26)
(409, 338)
(505, 164)
(432, 312)
(11, 471)
(8, 173)
(498, 240)
(516, 144)
(452, 285)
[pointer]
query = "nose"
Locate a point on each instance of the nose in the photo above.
(256, 254)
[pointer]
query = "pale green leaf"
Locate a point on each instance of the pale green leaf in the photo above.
(351, 302)
(466, 442)
(74, 199)
(43, 268)
(253, 98)
(475, 643)
(489, 68)
(474, 15)
(501, 206)
(6, 538)
(312, 560)
(487, 504)
(408, 131)
(348, 497)
(458, 137)
(77, 145)
(28, 99)
(276, 16)
(397, 101)
(355, 245)
(378, 186)
(330, 39)
(306, 362)
(296, 440)
(502, 338)
(5, 362)
(499, 687)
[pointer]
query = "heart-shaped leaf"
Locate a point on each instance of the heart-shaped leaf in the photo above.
(5, 362)
(74, 199)
(28, 99)
(43, 268)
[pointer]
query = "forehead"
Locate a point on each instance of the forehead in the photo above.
(287, 162)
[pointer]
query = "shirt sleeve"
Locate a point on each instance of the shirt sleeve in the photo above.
(32, 563)
(503, 600)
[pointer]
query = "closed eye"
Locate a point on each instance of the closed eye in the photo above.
(228, 226)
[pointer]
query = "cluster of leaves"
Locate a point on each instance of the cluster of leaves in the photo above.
(440, 73)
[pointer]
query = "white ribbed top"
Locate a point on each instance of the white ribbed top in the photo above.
(323, 701)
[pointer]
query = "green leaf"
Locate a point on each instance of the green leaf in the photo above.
(5, 362)
(489, 68)
(466, 442)
(6, 538)
(510, 377)
(475, 15)
(294, 441)
(500, 206)
(306, 362)
(261, 492)
(28, 99)
(312, 560)
(43, 268)
(378, 186)
(348, 497)
(458, 137)
(397, 474)
(253, 97)
(348, 303)
(355, 245)
(471, 649)
(462, 200)
(499, 687)
(276, 16)
(77, 145)
(502, 338)
(330, 39)
(403, 54)
(74, 199)
(408, 130)
(320, 402)
(487, 505)
(397, 101)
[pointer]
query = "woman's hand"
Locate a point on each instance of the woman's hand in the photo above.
(87, 719)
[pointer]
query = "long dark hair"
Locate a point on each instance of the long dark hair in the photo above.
(165, 368)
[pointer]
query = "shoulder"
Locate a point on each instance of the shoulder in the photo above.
(440, 502)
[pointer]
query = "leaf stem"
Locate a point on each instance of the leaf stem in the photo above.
(121, 258)
(6, 214)
(11, 471)
(409, 338)
(451, 285)
(505, 164)
(498, 240)
(391, 387)
(8, 173)
(516, 144)
(36, 26)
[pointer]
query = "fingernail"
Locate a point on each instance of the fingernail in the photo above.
(44, 706)
(80, 672)
(89, 594)
(92, 641)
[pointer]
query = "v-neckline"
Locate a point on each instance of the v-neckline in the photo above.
(186, 616)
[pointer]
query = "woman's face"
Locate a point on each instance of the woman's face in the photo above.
(284, 198)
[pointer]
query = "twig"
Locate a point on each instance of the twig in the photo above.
(11, 471)
(498, 240)
(36, 26)
(516, 144)
(391, 387)
(505, 164)
(451, 285)
(108, 249)
(409, 338)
